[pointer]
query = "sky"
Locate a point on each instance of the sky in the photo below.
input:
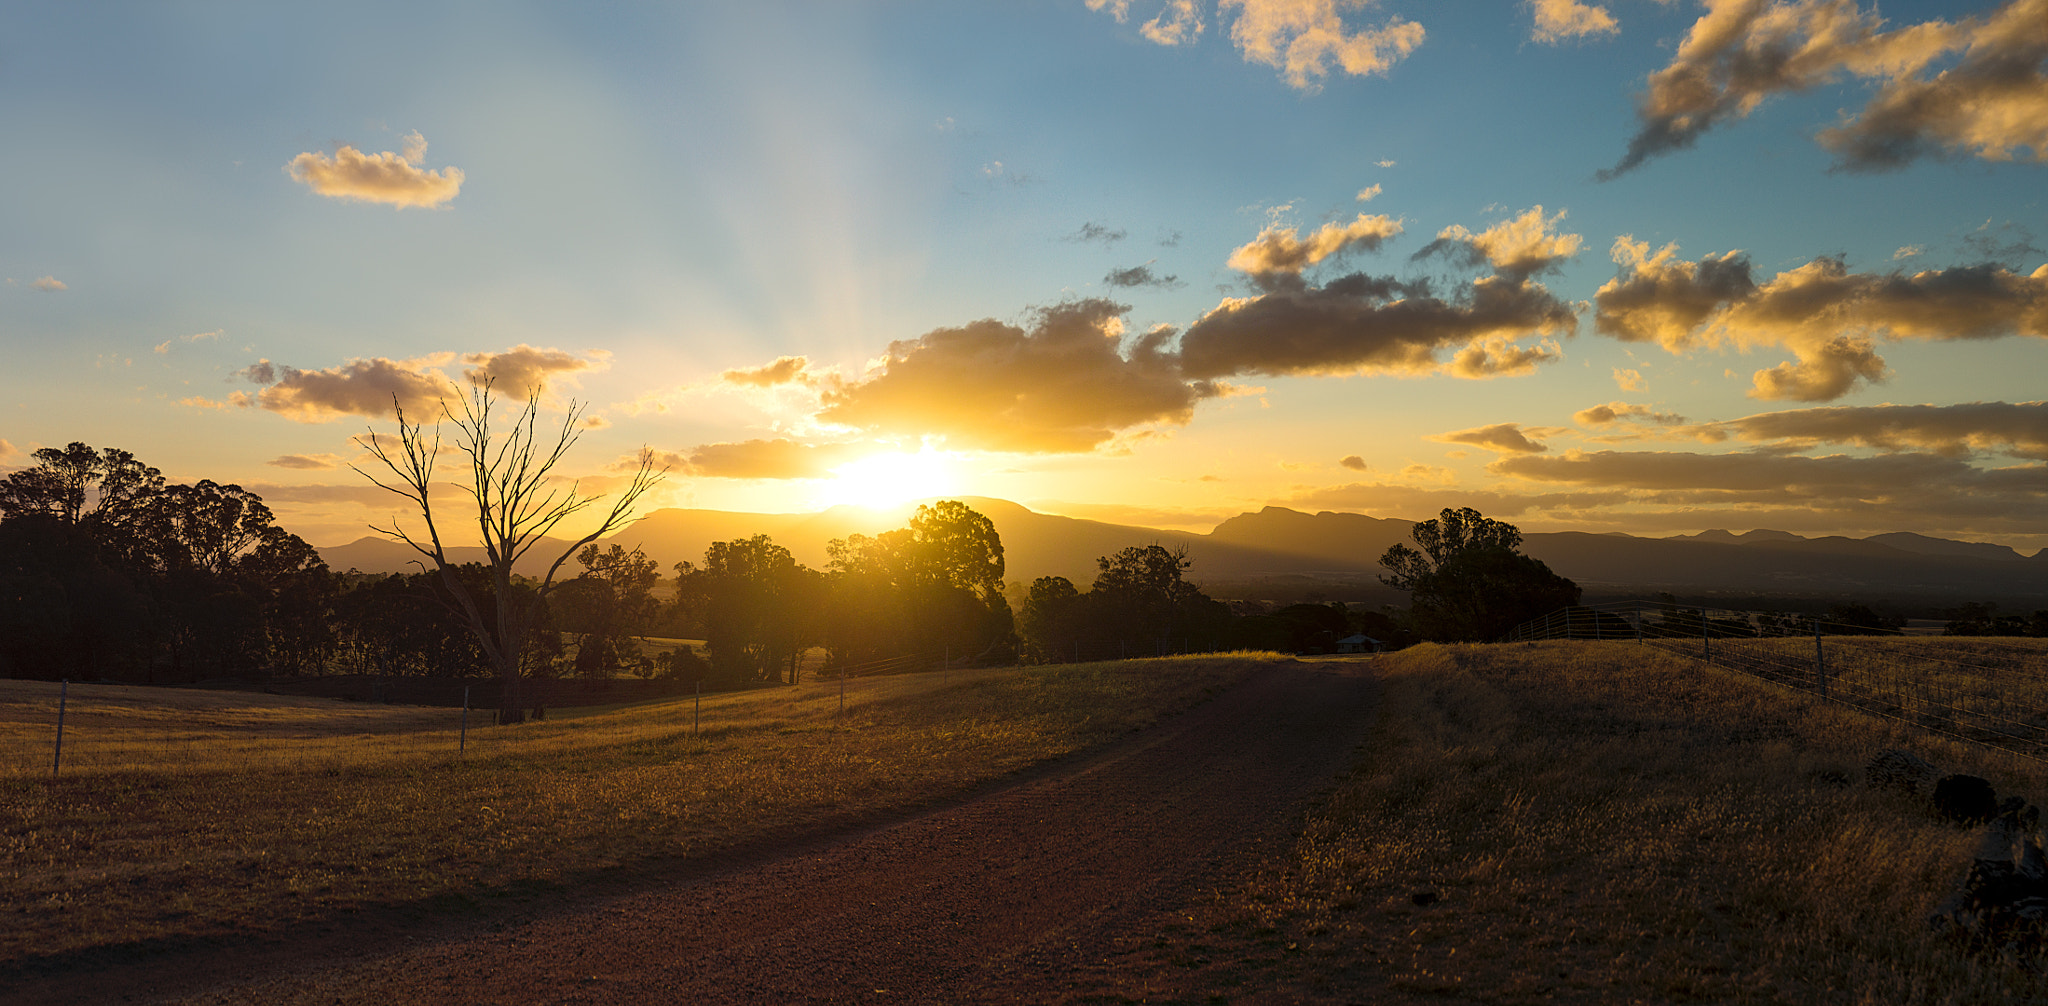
(1649, 266)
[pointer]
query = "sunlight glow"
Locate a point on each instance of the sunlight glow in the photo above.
(891, 478)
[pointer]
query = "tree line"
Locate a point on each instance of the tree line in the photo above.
(107, 571)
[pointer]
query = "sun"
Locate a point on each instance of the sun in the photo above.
(890, 478)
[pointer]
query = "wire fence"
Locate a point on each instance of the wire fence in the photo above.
(52, 729)
(1991, 691)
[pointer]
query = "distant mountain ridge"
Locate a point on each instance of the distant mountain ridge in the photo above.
(1278, 546)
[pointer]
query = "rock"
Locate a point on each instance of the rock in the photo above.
(1965, 799)
(1901, 772)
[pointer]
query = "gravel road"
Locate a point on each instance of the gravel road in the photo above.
(1009, 897)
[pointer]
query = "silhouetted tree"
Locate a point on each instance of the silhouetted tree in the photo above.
(1141, 594)
(516, 500)
(760, 609)
(1050, 620)
(1471, 582)
(606, 607)
(933, 587)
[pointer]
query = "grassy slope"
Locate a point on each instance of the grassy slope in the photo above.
(187, 814)
(1605, 823)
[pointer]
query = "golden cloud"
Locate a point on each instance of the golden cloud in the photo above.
(49, 284)
(764, 459)
(1518, 247)
(1504, 438)
(1990, 102)
(1613, 412)
(1281, 250)
(356, 388)
(1558, 20)
(785, 370)
(1826, 315)
(1366, 324)
(2019, 429)
(1179, 22)
(1063, 385)
(393, 178)
(305, 462)
(524, 370)
(1306, 39)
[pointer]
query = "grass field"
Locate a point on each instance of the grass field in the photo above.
(187, 813)
(1601, 822)
(1562, 821)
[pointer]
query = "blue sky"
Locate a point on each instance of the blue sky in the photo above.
(657, 203)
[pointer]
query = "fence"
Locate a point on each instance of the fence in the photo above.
(52, 729)
(1991, 691)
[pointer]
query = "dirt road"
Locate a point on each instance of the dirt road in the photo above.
(1008, 897)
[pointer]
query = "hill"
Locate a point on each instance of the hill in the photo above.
(1282, 553)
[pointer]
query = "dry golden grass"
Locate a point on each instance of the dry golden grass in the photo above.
(1607, 823)
(202, 813)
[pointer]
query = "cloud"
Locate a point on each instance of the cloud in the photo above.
(1951, 431)
(163, 348)
(1517, 248)
(1827, 316)
(524, 369)
(235, 400)
(367, 387)
(356, 388)
(1280, 250)
(1614, 412)
(306, 462)
(1992, 101)
(1093, 231)
(8, 450)
(393, 178)
(1307, 39)
(1353, 462)
(1371, 192)
(1629, 380)
(764, 459)
(1141, 275)
(1179, 22)
(1368, 324)
(785, 370)
(1505, 438)
(1559, 20)
(49, 284)
(1062, 385)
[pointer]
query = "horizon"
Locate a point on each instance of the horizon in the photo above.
(1154, 263)
(900, 513)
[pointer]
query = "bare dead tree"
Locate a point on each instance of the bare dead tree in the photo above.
(517, 501)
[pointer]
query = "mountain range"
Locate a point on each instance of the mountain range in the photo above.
(1277, 553)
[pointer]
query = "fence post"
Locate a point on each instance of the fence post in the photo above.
(1820, 662)
(842, 691)
(697, 710)
(57, 759)
(462, 739)
(1706, 641)
(1568, 625)
(1639, 626)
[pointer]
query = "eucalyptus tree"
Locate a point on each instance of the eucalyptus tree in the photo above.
(516, 499)
(1470, 582)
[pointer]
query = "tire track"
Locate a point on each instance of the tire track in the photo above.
(990, 900)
